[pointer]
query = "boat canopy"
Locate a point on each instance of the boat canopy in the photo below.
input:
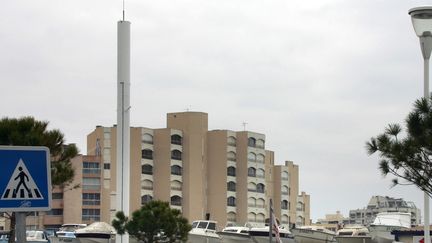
(393, 219)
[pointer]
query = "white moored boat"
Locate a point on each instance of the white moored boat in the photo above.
(235, 234)
(97, 232)
(261, 235)
(313, 234)
(36, 236)
(203, 231)
(66, 233)
(384, 223)
(353, 234)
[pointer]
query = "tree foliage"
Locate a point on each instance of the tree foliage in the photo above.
(152, 219)
(27, 131)
(408, 157)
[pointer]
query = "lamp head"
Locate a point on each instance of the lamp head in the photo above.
(422, 20)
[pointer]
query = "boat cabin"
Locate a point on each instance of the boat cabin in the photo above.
(207, 225)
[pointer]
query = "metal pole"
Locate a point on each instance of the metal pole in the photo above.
(20, 227)
(426, 196)
(271, 222)
(426, 47)
(426, 79)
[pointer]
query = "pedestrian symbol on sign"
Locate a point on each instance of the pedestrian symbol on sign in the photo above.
(21, 185)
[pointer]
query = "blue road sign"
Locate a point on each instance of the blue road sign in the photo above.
(25, 179)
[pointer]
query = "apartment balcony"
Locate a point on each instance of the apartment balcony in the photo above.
(233, 144)
(91, 172)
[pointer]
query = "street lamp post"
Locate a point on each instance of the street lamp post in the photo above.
(422, 21)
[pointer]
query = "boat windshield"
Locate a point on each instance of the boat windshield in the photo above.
(72, 227)
(202, 225)
(211, 226)
(32, 234)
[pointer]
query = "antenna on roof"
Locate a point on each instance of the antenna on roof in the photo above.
(244, 125)
(123, 10)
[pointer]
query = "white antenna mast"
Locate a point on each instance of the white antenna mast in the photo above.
(123, 120)
(244, 125)
(123, 10)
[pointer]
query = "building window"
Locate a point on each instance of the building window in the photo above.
(251, 217)
(251, 202)
(90, 214)
(107, 166)
(231, 216)
(231, 201)
(260, 173)
(285, 219)
(260, 158)
(145, 199)
(57, 195)
(285, 190)
(91, 183)
(251, 172)
(260, 143)
(260, 203)
(260, 188)
(176, 185)
(231, 156)
(251, 157)
(91, 198)
(260, 218)
(176, 201)
(284, 204)
(147, 154)
(147, 169)
(91, 168)
(252, 187)
(285, 175)
(147, 185)
(232, 141)
(176, 170)
(176, 139)
(231, 171)
(147, 138)
(251, 142)
(300, 207)
(55, 212)
(231, 186)
(176, 155)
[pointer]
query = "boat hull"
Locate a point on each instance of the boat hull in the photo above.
(96, 240)
(354, 239)
(231, 237)
(382, 233)
(261, 239)
(63, 240)
(95, 237)
(195, 238)
(312, 236)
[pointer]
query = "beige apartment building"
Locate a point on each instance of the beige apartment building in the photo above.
(227, 176)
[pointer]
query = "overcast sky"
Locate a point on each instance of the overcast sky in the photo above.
(318, 77)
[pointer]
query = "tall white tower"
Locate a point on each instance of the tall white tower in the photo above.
(123, 123)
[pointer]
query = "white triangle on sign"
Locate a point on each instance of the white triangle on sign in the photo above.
(21, 185)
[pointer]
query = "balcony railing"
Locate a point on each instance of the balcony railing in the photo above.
(91, 187)
(91, 171)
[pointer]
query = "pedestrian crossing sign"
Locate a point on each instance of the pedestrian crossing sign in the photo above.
(25, 179)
